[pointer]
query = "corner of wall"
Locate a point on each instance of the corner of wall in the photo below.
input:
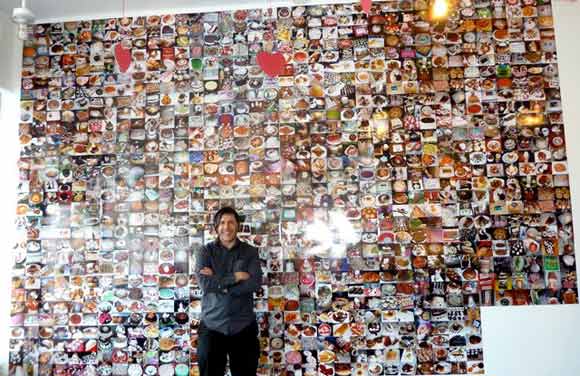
(11, 63)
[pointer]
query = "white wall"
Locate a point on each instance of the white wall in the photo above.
(10, 52)
(518, 341)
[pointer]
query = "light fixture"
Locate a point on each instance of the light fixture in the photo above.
(24, 18)
(439, 9)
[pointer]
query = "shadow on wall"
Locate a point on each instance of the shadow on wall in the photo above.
(8, 136)
(10, 61)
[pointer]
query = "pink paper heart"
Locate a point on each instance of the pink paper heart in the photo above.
(271, 64)
(123, 57)
(366, 5)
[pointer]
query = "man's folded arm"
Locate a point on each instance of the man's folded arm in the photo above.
(211, 283)
(253, 283)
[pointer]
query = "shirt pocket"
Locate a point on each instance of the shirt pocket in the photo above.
(240, 264)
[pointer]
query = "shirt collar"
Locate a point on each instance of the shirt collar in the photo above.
(236, 244)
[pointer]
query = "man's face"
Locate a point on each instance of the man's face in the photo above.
(227, 228)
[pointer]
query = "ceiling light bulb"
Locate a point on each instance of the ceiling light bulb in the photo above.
(22, 15)
(440, 8)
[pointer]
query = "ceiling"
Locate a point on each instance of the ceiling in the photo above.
(63, 10)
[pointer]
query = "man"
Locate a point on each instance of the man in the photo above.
(228, 271)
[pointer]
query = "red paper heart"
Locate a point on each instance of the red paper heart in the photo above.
(366, 5)
(123, 56)
(271, 64)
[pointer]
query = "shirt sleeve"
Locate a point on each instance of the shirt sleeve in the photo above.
(211, 283)
(252, 284)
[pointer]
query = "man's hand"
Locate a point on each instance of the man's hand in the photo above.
(241, 276)
(206, 271)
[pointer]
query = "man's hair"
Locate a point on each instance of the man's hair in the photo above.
(226, 210)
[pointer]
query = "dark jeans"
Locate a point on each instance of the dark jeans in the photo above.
(243, 350)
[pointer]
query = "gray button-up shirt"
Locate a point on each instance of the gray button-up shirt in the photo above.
(227, 306)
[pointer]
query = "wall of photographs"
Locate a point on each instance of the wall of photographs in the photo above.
(398, 175)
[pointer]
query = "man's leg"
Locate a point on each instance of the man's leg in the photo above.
(244, 350)
(211, 352)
